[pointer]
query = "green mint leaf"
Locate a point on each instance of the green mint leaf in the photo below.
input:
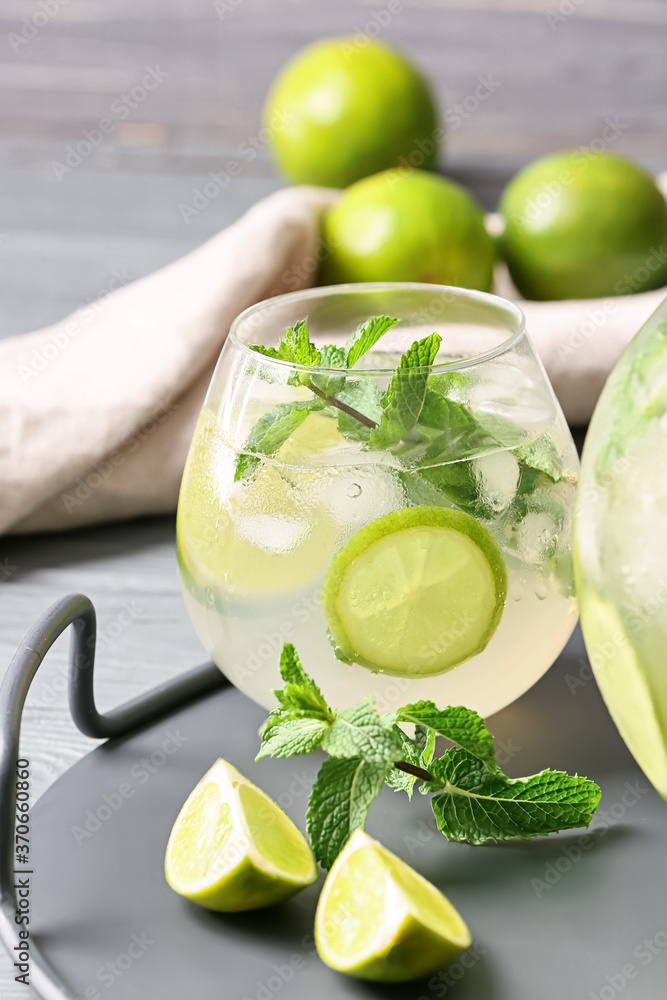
(403, 401)
(329, 385)
(300, 693)
(476, 806)
(364, 396)
(292, 736)
(280, 353)
(421, 734)
(458, 724)
(333, 357)
(411, 753)
(294, 346)
(366, 336)
(339, 802)
(428, 752)
(452, 429)
(271, 432)
(360, 732)
(298, 339)
(540, 455)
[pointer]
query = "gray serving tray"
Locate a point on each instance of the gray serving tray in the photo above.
(576, 915)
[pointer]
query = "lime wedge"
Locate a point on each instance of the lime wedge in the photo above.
(624, 683)
(232, 848)
(415, 592)
(379, 919)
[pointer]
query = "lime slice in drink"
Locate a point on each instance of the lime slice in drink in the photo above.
(415, 592)
(379, 919)
(260, 539)
(624, 683)
(232, 848)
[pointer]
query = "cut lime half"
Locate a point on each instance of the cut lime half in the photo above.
(415, 592)
(232, 848)
(379, 919)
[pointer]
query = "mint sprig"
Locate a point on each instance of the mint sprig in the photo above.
(472, 800)
(421, 417)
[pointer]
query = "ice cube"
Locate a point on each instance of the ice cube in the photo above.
(498, 477)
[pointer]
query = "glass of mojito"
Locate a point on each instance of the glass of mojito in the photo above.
(621, 546)
(382, 476)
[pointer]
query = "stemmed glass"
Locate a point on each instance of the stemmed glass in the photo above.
(263, 519)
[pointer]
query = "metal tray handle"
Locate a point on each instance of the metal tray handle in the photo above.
(77, 611)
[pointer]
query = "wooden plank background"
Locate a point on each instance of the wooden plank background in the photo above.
(561, 69)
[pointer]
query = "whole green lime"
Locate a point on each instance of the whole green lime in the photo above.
(341, 110)
(584, 224)
(407, 225)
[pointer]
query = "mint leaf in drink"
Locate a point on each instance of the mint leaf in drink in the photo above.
(294, 346)
(403, 401)
(456, 723)
(271, 432)
(362, 396)
(366, 336)
(292, 736)
(539, 455)
(475, 806)
(333, 357)
(326, 384)
(359, 731)
(339, 802)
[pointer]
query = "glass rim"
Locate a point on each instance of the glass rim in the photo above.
(415, 286)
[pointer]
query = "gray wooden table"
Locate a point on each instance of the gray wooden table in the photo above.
(558, 77)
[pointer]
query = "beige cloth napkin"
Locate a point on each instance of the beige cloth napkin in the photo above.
(96, 412)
